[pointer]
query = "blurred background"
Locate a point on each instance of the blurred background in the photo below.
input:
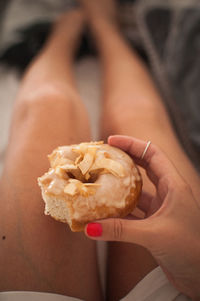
(166, 34)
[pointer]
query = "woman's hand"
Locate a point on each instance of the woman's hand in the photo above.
(171, 229)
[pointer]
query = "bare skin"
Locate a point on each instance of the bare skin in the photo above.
(38, 253)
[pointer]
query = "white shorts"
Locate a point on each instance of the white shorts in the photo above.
(154, 287)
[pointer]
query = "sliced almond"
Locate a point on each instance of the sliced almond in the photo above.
(80, 188)
(63, 161)
(71, 189)
(86, 163)
(84, 189)
(52, 156)
(91, 184)
(45, 180)
(88, 160)
(87, 191)
(74, 170)
(95, 169)
(69, 167)
(61, 172)
(97, 142)
(56, 160)
(78, 159)
(87, 176)
(109, 165)
(75, 181)
(81, 149)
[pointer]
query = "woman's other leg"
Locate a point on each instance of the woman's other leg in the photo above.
(132, 106)
(38, 253)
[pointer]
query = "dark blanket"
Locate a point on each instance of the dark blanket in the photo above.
(170, 33)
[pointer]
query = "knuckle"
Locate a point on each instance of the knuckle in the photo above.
(155, 149)
(184, 187)
(117, 229)
(181, 188)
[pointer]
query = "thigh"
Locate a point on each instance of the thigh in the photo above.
(38, 253)
(147, 120)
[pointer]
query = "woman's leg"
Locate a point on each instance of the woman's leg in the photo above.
(38, 253)
(132, 106)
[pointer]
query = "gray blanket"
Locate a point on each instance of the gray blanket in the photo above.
(170, 32)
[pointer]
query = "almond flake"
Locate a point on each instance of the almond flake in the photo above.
(95, 169)
(56, 160)
(74, 170)
(97, 142)
(74, 181)
(78, 159)
(80, 149)
(91, 184)
(86, 191)
(109, 165)
(70, 189)
(61, 172)
(87, 176)
(83, 147)
(69, 167)
(88, 160)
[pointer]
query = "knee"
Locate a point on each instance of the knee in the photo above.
(51, 107)
(46, 100)
(47, 94)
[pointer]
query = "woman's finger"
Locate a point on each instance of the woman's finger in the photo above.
(116, 229)
(156, 164)
(145, 201)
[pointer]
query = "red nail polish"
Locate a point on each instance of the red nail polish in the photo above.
(94, 229)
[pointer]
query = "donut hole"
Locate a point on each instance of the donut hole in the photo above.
(93, 178)
(71, 176)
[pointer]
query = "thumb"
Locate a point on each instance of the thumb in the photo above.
(116, 229)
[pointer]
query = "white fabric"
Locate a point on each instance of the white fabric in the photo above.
(33, 296)
(155, 287)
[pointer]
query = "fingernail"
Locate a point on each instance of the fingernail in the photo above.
(94, 229)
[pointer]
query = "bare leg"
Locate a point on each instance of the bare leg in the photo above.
(38, 253)
(132, 106)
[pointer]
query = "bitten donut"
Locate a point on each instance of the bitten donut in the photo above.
(89, 181)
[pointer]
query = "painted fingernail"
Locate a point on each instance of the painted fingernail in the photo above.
(94, 229)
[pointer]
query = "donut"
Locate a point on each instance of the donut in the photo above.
(89, 181)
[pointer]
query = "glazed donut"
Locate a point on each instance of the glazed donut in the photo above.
(89, 181)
